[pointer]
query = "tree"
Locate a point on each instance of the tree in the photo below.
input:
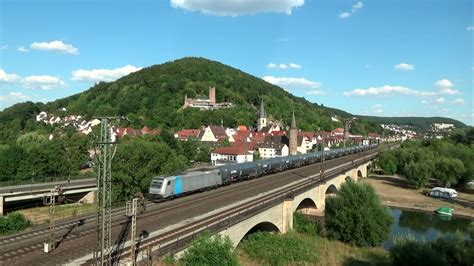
(449, 170)
(210, 250)
(357, 216)
(418, 174)
(388, 162)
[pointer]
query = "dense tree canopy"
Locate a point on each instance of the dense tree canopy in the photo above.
(448, 160)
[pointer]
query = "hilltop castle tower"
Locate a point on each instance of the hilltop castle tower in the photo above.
(262, 120)
(212, 95)
(293, 136)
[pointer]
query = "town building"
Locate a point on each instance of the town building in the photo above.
(293, 136)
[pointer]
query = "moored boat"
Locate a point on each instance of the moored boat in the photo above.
(445, 211)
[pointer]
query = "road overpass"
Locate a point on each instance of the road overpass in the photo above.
(15, 196)
(263, 203)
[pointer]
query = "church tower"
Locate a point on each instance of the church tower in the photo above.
(262, 120)
(293, 136)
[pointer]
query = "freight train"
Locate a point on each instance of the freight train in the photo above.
(165, 187)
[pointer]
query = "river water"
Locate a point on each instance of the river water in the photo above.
(423, 225)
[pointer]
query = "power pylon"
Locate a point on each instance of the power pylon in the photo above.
(103, 254)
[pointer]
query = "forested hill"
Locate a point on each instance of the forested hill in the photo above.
(154, 96)
(421, 123)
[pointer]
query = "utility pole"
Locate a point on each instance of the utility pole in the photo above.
(103, 253)
(131, 212)
(321, 174)
(51, 201)
(346, 131)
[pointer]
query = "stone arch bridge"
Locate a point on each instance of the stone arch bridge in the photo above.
(279, 218)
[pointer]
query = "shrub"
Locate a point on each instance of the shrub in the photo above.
(210, 250)
(446, 250)
(409, 251)
(357, 216)
(278, 249)
(301, 224)
(13, 222)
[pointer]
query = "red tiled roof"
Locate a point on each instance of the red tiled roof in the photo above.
(338, 130)
(186, 133)
(374, 135)
(242, 128)
(237, 148)
(278, 133)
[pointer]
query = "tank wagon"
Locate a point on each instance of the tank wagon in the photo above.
(164, 187)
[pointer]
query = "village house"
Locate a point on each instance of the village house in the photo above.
(239, 152)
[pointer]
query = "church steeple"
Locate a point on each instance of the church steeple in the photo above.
(262, 119)
(293, 136)
(262, 110)
(293, 121)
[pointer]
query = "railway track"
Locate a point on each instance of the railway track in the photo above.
(24, 248)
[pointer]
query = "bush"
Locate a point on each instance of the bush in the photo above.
(409, 251)
(210, 250)
(447, 250)
(357, 216)
(278, 249)
(301, 224)
(12, 223)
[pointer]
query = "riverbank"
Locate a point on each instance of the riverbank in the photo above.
(394, 191)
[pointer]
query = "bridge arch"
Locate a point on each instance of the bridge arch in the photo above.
(260, 227)
(348, 179)
(305, 206)
(359, 174)
(332, 189)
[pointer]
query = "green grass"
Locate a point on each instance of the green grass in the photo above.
(273, 249)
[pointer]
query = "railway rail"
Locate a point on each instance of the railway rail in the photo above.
(76, 240)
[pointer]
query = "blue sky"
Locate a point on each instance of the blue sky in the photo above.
(386, 58)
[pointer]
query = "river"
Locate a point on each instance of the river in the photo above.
(423, 225)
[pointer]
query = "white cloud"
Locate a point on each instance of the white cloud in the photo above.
(283, 66)
(377, 108)
(440, 100)
(457, 101)
(344, 15)
(95, 75)
(58, 46)
(292, 82)
(387, 90)
(449, 91)
(22, 49)
(424, 102)
(470, 28)
(354, 9)
(295, 66)
(3, 47)
(237, 7)
(444, 83)
(43, 82)
(5, 77)
(315, 92)
(356, 6)
(446, 87)
(271, 65)
(18, 95)
(404, 66)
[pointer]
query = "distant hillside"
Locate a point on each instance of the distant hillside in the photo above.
(421, 123)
